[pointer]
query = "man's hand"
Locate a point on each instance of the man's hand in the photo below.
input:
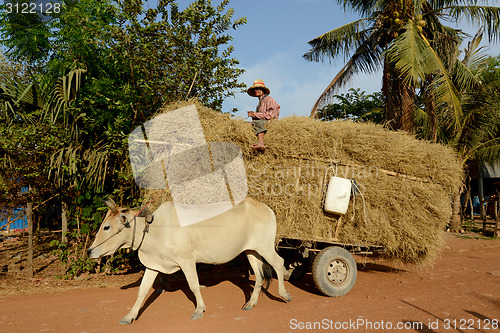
(251, 114)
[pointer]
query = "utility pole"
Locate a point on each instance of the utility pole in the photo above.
(64, 218)
(29, 217)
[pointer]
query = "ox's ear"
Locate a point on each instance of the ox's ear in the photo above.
(111, 204)
(124, 221)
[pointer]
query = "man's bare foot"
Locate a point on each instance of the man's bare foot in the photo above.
(258, 146)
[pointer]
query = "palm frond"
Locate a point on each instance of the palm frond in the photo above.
(342, 40)
(410, 63)
(478, 125)
(63, 93)
(489, 151)
(473, 51)
(19, 92)
(65, 164)
(363, 7)
(418, 6)
(467, 73)
(446, 42)
(482, 16)
(67, 87)
(97, 167)
(422, 120)
(367, 58)
(443, 88)
(414, 58)
(51, 100)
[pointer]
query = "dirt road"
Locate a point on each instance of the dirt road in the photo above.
(460, 293)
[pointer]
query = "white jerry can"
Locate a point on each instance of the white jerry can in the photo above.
(338, 195)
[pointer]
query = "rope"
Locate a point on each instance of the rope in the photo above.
(113, 235)
(355, 188)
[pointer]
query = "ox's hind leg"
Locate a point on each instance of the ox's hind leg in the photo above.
(147, 282)
(189, 270)
(256, 262)
(277, 263)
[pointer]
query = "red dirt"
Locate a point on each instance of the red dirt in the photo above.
(461, 290)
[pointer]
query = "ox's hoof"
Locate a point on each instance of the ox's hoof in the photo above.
(287, 297)
(248, 306)
(125, 321)
(197, 315)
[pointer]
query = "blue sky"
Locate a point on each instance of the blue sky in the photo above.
(270, 47)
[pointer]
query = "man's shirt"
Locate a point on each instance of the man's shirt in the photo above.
(268, 109)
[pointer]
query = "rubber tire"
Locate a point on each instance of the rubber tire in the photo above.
(339, 259)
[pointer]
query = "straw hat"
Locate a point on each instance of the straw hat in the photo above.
(258, 84)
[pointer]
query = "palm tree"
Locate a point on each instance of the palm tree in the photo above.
(409, 41)
(46, 108)
(475, 135)
(49, 107)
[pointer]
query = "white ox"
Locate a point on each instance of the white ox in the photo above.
(166, 247)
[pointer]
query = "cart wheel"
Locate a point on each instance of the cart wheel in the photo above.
(334, 271)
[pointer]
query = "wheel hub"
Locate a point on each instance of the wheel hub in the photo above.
(337, 271)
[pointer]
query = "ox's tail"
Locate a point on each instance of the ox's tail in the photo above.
(267, 275)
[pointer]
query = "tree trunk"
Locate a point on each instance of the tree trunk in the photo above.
(430, 109)
(471, 210)
(38, 225)
(29, 217)
(78, 213)
(463, 207)
(9, 219)
(456, 224)
(390, 114)
(407, 104)
(399, 101)
(64, 220)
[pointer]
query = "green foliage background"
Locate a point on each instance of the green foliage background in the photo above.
(73, 87)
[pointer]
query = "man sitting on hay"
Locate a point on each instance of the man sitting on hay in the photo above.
(266, 110)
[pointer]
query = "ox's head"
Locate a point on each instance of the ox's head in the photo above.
(116, 231)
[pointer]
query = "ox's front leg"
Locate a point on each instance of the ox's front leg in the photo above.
(147, 282)
(189, 270)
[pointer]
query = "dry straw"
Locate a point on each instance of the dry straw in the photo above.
(407, 184)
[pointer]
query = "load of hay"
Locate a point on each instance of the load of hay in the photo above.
(406, 186)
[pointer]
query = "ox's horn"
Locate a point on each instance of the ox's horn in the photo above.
(111, 204)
